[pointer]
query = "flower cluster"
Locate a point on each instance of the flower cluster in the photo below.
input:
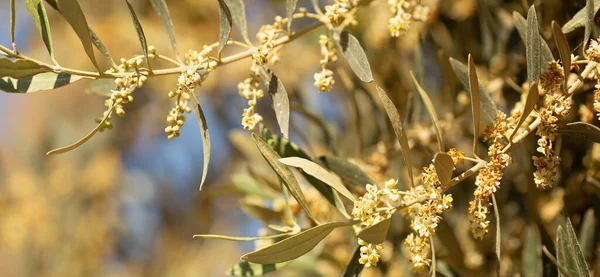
(488, 180)
(249, 89)
(556, 105)
(425, 203)
(370, 209)
(125, 87)
(339, 12)
(267, 34)
(324, 79)
(597, 99)
(405, 11)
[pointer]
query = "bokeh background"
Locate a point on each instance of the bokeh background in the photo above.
(127, 203)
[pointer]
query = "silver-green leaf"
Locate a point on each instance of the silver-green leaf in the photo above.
(139, 30)
(38, 13)
(225, 23)
(238, 14)
(533, 46)
(355, 55)
(39, 82)
(18, 68)
(72, 12)
(163, 12)
(279, 97)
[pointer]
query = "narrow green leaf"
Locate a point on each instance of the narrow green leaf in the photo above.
(72, 12)
(163, 12)
(247, 269)
(564, 50)
(38, 13)
(13, 14)
(579, 19)
(238, 13)
(355, 55)
(354, 267)
(294, 246)
(589, 22)
(82, 140)
(205, 137)
(320, 173)
(475, 102)
(376, 233)
(39, 82)
(139, 30)
(233, 238)
(487, 107)
(533, 46)
(394, 117)
(575, 252)
(522, 27)
(284, 173)
(444, 166)
(581, 130)
(498, 231)
(225, 23)
(432, 113)
(532, 98)
(349, 172)
(250, 186)
(100, 46)
(586, 234)
(18, 68)
(290, 8)
(279, 97)
(532, 253)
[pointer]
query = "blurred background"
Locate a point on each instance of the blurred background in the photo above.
(127, 203)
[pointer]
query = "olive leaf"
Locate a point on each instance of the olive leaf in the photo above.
(431, 111)
(294, 246)
(355, 55)
(225, 23)
(84, 139)
(349, 172)
(533, 46)
(39, 82)
(522, 29)
(320, 173)
(19, 68)
(564, 50)
(444, 166)
(284, 173)
(279, 97)
(72, 12)
(163, 12)
(586, 234)
(40, 17)
(290, 7)
(475, 102)
(498, 244)
(581, 130)
(234, 238)
(248, 269)
(532, 253)
(589, 22)
(532, 98)
(12, 23)
(250, 186)
(100, 46)
(205, 137)
(488, 109)
(376, 233)
(139, 30)
(394, 117)
(238, 14)
(569, 252)
(580, 18)
(354, 267)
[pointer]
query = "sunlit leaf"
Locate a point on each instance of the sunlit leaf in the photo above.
(376, 233)
(248, 269)
(546, 53)
(139, 30)
(533, 46)
(294, 246)
(488, 109)
(225, 23)
(532, 253)
(356, 57)
(586, 234)
(564, 50)
(279, 97)
(354, 267)
(39, 82)
(581, 130)
(72, 12)
(532, 98)
(284, 173)
(38, 13)
(13, 14)
(443, 167)
(100, 46)
(431, 110)
(238, 14)
(18, 68)
(234, 238)
(349, 172)
(163, 12)
(205, 137)
(396, 121)
(320, 173)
